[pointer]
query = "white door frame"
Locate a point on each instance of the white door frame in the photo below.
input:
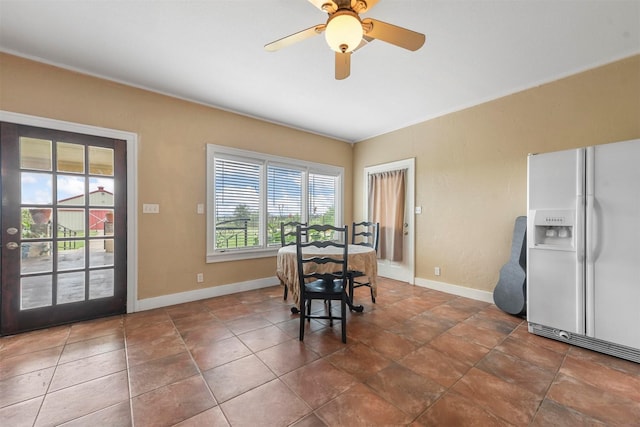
(132, 184)
(407, 273)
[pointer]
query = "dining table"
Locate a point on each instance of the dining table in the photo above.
(360, 258)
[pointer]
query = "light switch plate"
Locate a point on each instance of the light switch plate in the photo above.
(200, 208)
(152, 208)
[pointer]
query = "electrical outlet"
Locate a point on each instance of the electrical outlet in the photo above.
(199, 277)
(436, 271)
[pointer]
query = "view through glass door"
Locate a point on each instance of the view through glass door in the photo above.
(63, 227)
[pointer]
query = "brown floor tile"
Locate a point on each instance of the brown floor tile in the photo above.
(454, 409)
(271, 404)
(310, 420)
(505, 400)
(87, 369)
(622, 365)
(260, 339)
(219, 352)
(172, 403)
(204, 335)
(602, 377)
(22, 413)
(553, 414)
(457, 362)
(424, 327)
(160, 372)
(361, 406)
(194, 321)
(210, 418)
(459, 348)
(25, 386)
(234, 378)
(91, 347)
(145, 319)
(33, 341)
(82, 399)
(29, 362)
(516, 371)
(358, 360)
(95, 328)
(593, 402)
(287, 356)
(402, 387)
(536, 355)
(435, 365)
(475, 334)
(155, 349)
(390, 345)
(318, 382)
(247, 324)
(150, 332)
(117, 415)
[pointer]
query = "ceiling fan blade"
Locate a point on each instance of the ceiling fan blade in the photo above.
(393, 34)
(361, 6)
(343, 65)
(328, 6)
(294, 38)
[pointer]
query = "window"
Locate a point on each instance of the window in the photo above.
(249, 194)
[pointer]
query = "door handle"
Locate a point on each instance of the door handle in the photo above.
(12, 230)
(12, 245)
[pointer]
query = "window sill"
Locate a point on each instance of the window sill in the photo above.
(241, 255)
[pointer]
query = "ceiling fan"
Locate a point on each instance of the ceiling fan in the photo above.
(346, 32)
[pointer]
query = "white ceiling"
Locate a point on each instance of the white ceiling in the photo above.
(211, 52)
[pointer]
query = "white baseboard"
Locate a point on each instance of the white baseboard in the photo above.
(461, 291)
(198, 294)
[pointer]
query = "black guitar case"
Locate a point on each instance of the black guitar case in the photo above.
(510, 294)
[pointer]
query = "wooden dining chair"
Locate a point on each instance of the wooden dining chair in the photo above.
(288, 237)
(363, 233)
(323, 277)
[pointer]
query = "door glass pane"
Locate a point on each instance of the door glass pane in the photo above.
(70, 222)
(36, 223)
(36, 188)
(70, 157)
(100, 283)
(101, 252)
(35, 292)
(36, 257)
(70, 254)
(70, 190)
(101, 191)
(101, 161)
(35, 153)
(70, 287)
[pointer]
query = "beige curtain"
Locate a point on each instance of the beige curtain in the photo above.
(386, 206)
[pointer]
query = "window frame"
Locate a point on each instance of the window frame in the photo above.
(264, 249)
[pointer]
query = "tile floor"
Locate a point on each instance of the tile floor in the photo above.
(417, 357)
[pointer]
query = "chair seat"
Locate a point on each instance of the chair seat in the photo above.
(356, 273)
(325, 287)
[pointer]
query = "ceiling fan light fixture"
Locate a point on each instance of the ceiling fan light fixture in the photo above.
(344, 31)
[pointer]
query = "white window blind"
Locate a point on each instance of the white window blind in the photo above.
(237, 204)
(284, 199)
(249, 194)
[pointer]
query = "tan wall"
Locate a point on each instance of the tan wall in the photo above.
(471, 165)
(171, 162)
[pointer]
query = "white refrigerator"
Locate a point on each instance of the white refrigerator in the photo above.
(583, 247)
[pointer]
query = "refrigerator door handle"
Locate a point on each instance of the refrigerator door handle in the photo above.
(580, 242)
(590, 233)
